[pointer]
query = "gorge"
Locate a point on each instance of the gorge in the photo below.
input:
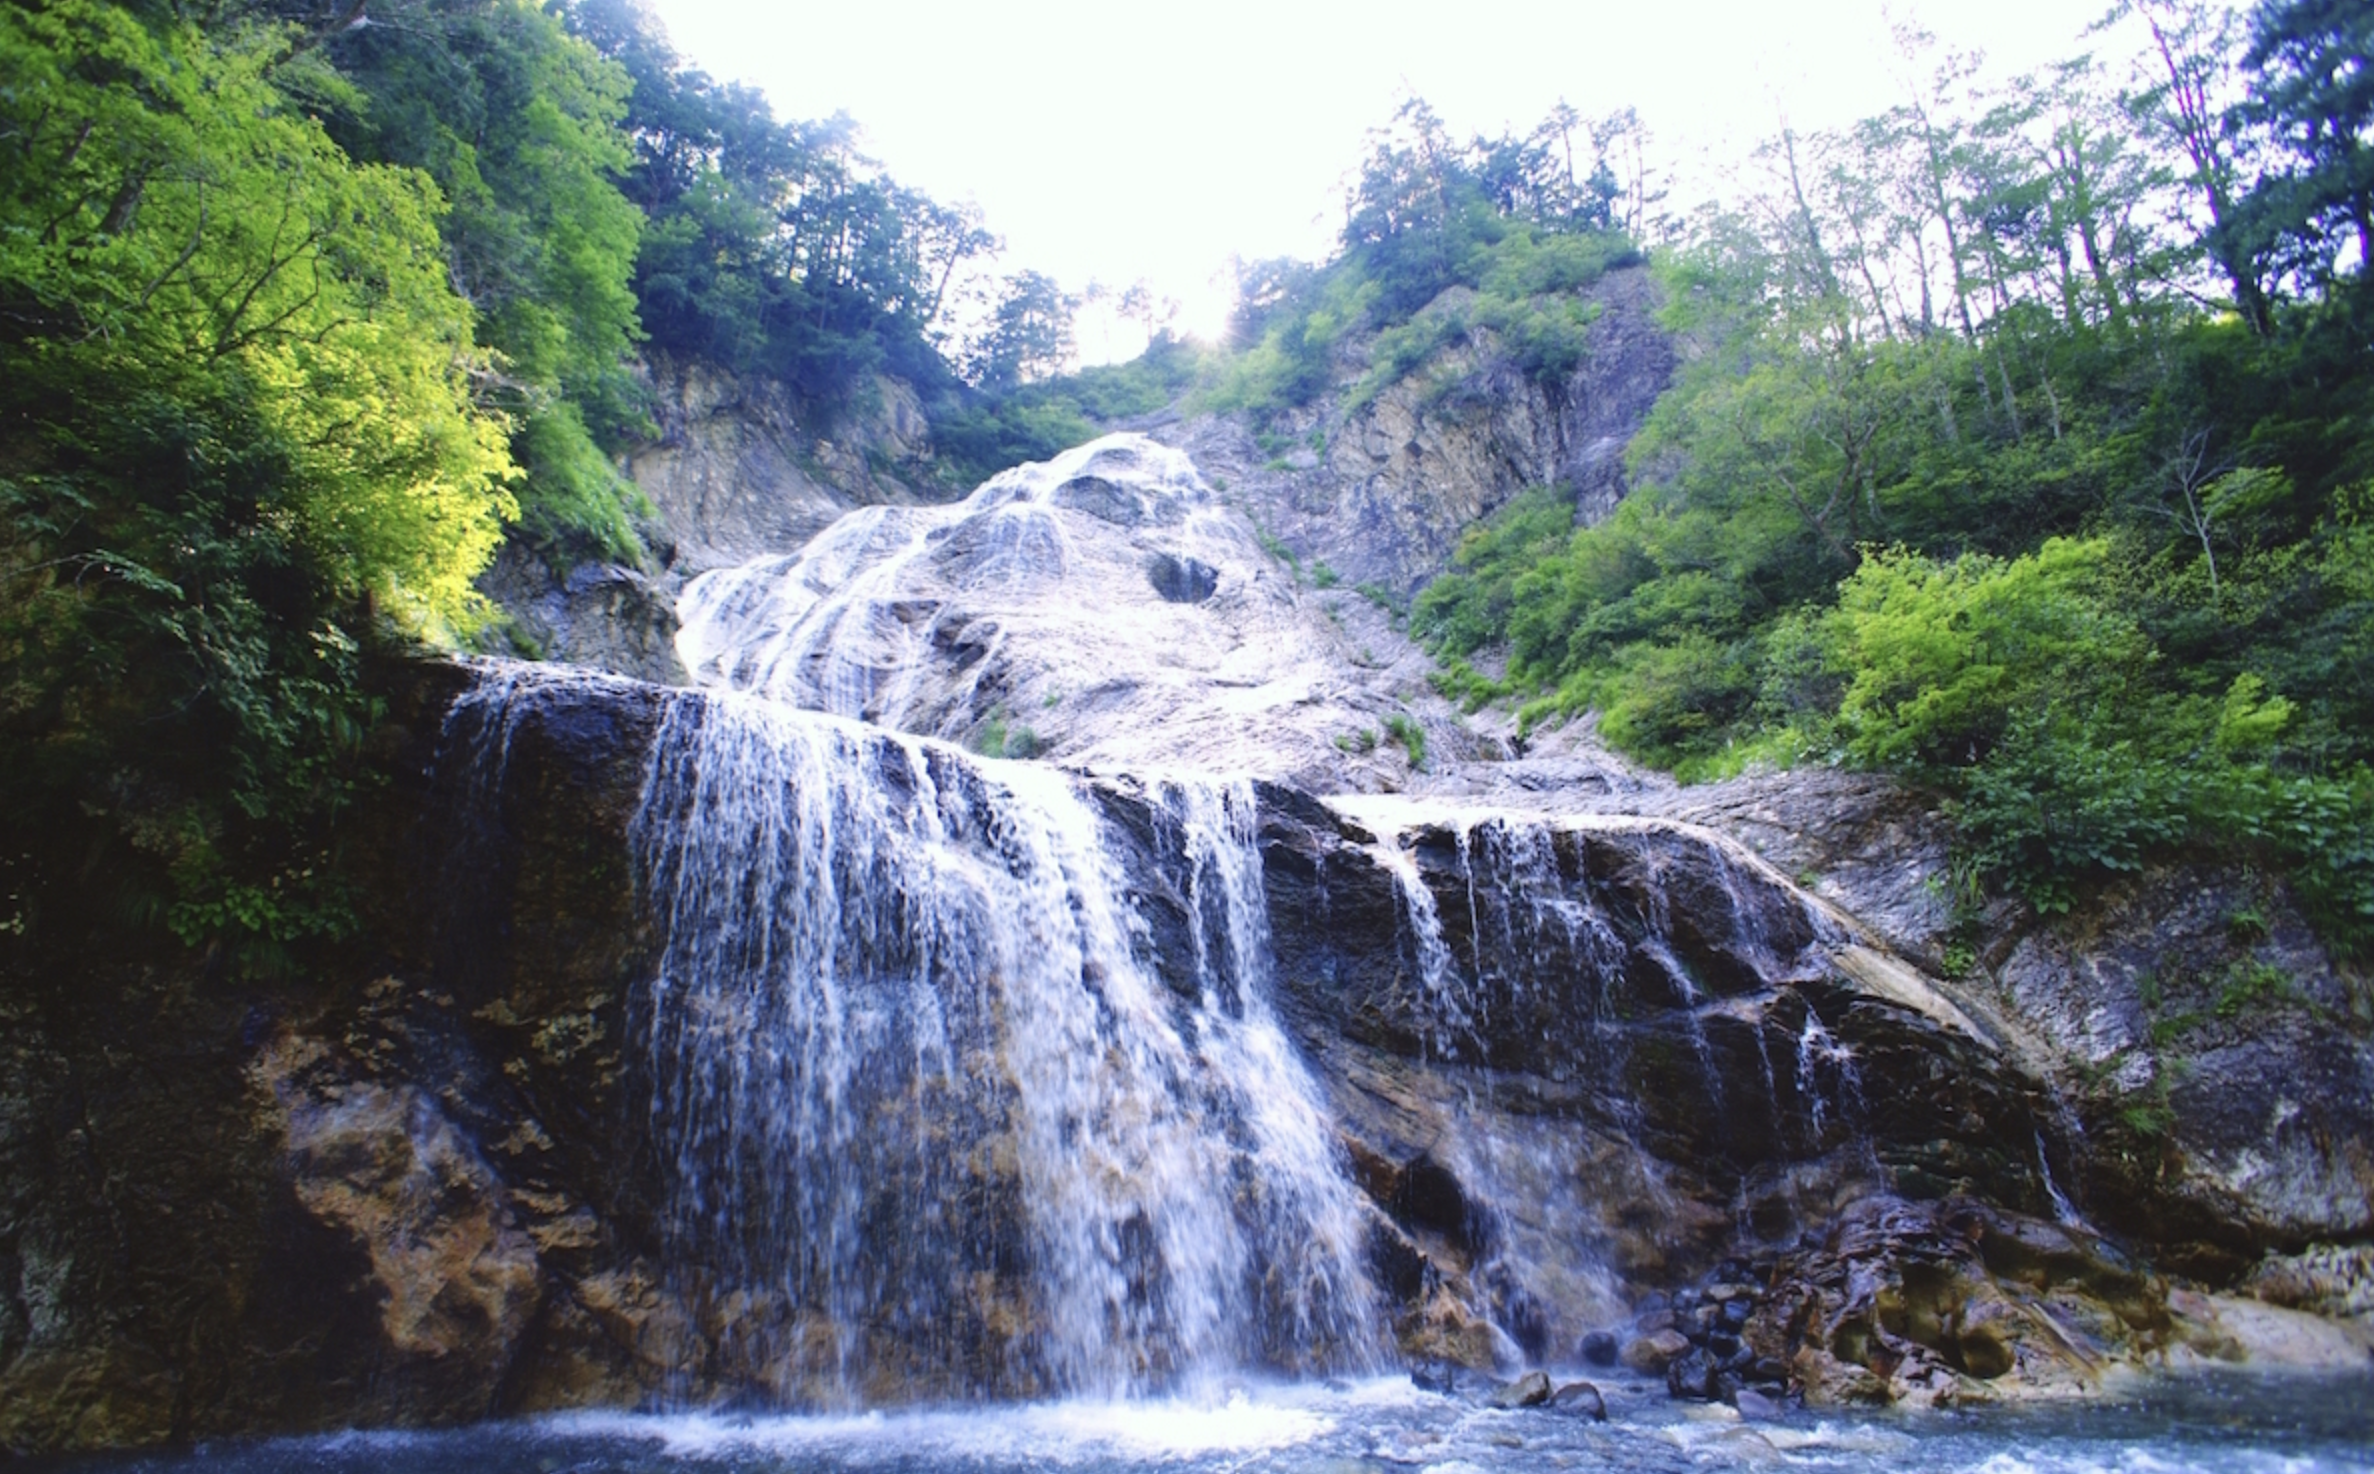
(760, 1046)
(641, 830)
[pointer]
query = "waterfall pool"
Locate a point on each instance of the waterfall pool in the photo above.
(2215, 1424)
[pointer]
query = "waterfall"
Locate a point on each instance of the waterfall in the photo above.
(930, 1113)
(848, 624)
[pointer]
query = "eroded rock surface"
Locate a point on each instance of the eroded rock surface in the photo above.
(735, 474)
(606, 616)
(1105, 609)
(1381, 492)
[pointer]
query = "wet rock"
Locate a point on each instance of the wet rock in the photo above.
(1757, 1406)
(1182, 580)
(1655, 1352)
(1935, 1301)
(1109, 601)
(1580, 1399)
(1434, 1375)
(1599, 1348)
(456, 1277)
(2328, 1279)
(1530, 1390)
(1692, 1375)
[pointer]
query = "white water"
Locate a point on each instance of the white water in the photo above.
(2232, 1426)
(904, 1012)
(845, 625)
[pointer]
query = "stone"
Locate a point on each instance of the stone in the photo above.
(1530, 1390)
(1182, 580)
(1434, 1375)
(1692, 1375)
(1582, 1400)
(1599, 1348)
(1757, 1406)
(1652, 1353)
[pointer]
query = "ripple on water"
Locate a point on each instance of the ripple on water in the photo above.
(2234, 1425)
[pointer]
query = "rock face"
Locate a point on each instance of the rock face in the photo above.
(1571, 1057)
(1381, 492)
(1105, 609)
(736, 475)
(605, 616)
(2214, 1066)
(1546, 1067)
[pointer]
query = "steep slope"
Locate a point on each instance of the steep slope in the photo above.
(1380, 491)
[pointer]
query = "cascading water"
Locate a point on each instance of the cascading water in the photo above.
(930, 1114)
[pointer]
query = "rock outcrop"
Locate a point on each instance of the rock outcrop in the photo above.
(1565, 1063)
(2214, 1065)
(1106, 609)
(604, 616)
(736, 473)
(1380, 492)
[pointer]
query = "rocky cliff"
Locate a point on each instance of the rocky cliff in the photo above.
(1377, 490)
(1590, 1077)
(735, 472)
(1380, 491)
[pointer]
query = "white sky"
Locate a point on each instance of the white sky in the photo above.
(1115, 141)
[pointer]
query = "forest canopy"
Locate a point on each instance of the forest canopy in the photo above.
(304, 311)
(2024, 446)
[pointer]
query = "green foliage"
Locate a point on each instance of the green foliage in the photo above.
(1940, 658)
(518, 123)
(1508, 220)
(1953, 482)
(238, 445)
(1412, 737)
(1001, 736)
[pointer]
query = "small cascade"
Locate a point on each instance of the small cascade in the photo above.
(1445, 1029)
(1820, 1055)
(2064, 1212)
(929, 1114)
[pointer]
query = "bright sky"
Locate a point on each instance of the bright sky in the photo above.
(1115, 142)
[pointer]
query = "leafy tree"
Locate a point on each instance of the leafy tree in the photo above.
(237, 438)
(1970, 474)
(517, 121)
(2314, 95)
(1028, 335)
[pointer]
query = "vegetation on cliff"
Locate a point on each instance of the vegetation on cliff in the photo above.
(302, 312)
(2024, 446)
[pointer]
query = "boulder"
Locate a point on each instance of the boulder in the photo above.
(1655, 1351)
(1580, 1399)
(1530, 1390)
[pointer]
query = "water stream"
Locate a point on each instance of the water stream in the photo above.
(931, 1115)
(2202, 1425)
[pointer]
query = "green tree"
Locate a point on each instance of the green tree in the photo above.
(518, 121)
(2314, 94)
(237, 435)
